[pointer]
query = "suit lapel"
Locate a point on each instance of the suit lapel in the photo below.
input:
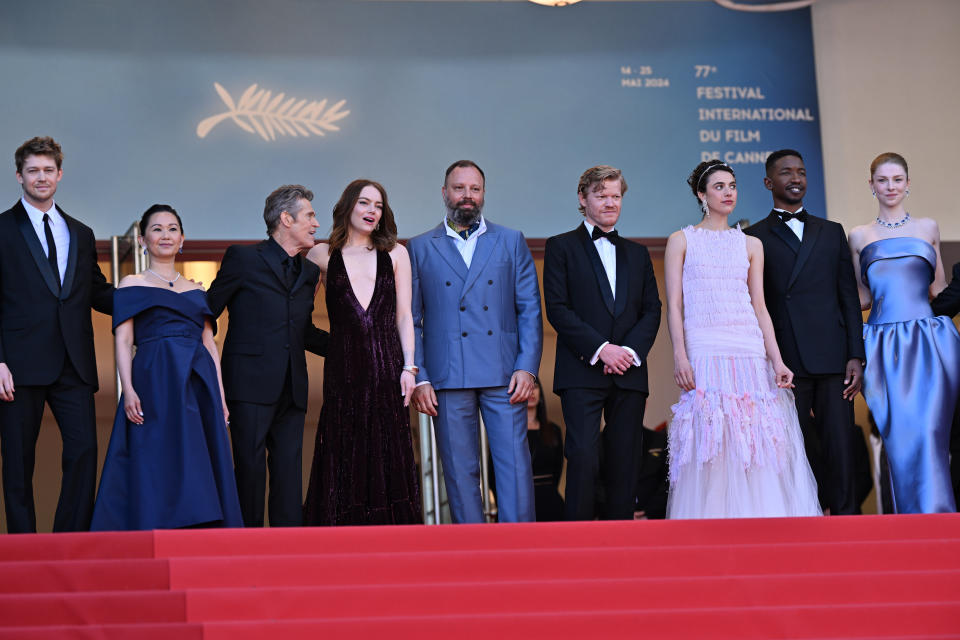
(485, 245)
(623, 278)
(273, 264)
(70, 274)
(597, 265)
(302, 275)
(811, 231)
(448, 251)
(782, 231)
(36, 249)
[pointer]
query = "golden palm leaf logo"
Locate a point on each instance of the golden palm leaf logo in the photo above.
(260, 112)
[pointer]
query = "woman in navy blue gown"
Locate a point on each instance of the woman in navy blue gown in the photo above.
(912, 377)
(363, 469)
(168, 464)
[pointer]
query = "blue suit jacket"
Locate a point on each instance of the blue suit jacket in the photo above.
(474, 328)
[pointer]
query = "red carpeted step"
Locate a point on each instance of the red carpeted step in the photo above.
(548, 564)
(103, 607)
(849, 622)
(84, 575)
(147, 631)
(73, 546)
(304, 541)
(507, 598)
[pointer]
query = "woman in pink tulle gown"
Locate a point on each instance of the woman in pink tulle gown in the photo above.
(735, 445)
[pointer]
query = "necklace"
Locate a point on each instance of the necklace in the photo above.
(168, 281)
(893, 225)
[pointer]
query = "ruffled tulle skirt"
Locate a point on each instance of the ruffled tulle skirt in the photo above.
(735, 446)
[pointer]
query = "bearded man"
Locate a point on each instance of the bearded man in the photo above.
(479, 336)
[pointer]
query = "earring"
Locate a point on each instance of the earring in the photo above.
(144, 251)
(705, 208)
(873, 193)
(377, 228)
(908, 192)
(181, 248)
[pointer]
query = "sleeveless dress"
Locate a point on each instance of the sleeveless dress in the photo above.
(176, 469)
(363, 469)
(735, 446)
(912, 377)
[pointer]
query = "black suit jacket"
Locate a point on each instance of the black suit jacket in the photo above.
(40, 326)
(270, 326)
(585, 314)
(811, 294)
(948, 302)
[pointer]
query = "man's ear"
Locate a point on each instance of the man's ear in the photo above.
(768, 183)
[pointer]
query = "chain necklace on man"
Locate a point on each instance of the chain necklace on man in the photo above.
(167, 280)
(894, 225)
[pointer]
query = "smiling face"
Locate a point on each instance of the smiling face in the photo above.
(601, 204)
(367, 211)
(39, 177)
(162, 236)
(720, 193)
(787, 181)
(301, 224)
(890, 183)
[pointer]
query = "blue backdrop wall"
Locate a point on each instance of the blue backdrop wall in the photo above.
(209, 105)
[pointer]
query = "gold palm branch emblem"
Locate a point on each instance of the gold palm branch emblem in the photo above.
(260, 112)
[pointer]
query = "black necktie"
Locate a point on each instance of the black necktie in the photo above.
(288, 271)
(799, 215)
(51, 249)
(611, 235)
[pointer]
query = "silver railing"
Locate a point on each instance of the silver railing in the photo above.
(124, 248)
(436, 510)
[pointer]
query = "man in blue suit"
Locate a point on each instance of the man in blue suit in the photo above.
(479, 336)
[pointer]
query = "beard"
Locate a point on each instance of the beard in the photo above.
(464, 212)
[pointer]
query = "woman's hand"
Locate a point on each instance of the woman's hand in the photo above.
(683, 374)
(131, 406)
(226, 413)
(783, 376)
(408, 382)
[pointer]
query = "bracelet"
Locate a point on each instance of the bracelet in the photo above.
(412, 368)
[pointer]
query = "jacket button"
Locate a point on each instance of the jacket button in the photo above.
(286, 346)
(464, 334)
(485, 307)
(788, 296)
(489, 281)
(448, 283)
(463, 308)
(489, 333)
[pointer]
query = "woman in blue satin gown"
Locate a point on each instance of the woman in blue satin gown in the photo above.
(912, 378)
(169, 463)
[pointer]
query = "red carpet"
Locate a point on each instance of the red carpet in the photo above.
(893, 577)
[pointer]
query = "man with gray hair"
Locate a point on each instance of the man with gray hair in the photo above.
(268, 289)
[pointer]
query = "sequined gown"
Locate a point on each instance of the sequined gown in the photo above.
(363, 469)
(735, 446)
(912, 377)
(175, 469)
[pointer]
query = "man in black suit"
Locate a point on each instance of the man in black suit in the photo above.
(49, 281)
(811, 293)
(947, 303)
(601, 297)
(269, 289)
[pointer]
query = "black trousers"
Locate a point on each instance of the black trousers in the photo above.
(71, 400)
(269, 436)
(620, 444)
(828, 436)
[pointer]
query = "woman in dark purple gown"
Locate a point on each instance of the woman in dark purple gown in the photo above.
(363, 468)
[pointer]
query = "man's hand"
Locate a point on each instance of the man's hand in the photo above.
(521, 386)
(6, 383)
(853, 378)
(616, 359)
(425, 399)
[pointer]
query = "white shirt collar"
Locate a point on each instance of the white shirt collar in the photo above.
(590, 227)
(36, 216)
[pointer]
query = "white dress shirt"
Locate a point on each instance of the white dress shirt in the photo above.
(795, 225)
(469, 246)
(608, 256)
(61, 235)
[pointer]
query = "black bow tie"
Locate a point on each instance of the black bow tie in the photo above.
(799, 215)
(598, 233)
